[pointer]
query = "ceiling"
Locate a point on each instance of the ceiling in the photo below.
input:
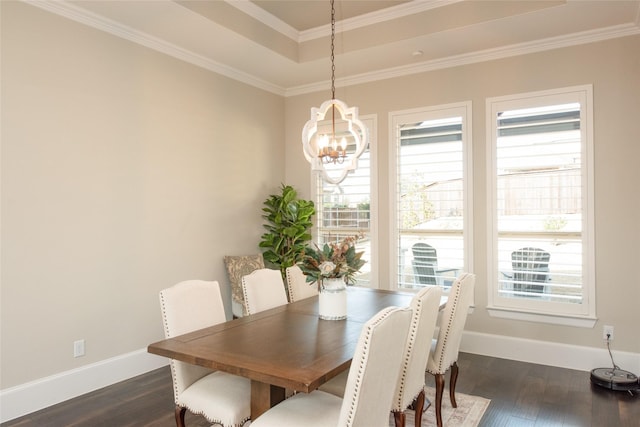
(283, 46)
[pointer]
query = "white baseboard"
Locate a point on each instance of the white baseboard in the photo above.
(548, 353)
(35, 395)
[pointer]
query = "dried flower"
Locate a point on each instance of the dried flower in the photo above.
(333, 260)
(326, 268)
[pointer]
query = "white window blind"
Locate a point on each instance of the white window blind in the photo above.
(345, 209)
(540, 190)
(431, 196)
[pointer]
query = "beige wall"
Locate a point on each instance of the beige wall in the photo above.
(613, 67)
(124, 171)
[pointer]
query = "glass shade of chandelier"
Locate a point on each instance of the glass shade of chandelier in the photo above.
(333, 142)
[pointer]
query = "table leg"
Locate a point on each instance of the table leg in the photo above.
(263, 397)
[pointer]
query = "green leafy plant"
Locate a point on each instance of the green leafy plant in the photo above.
(288, 224)
(554, 223)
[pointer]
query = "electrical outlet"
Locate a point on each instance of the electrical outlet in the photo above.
(78, 348)
(607, 332)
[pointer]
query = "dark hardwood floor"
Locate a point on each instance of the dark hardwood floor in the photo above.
(522, 394)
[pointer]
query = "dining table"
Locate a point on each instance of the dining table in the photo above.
(284, 348)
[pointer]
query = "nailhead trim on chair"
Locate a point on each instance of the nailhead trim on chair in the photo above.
(247, 303)
(217, 421)
(405, 363)
(365, 349)
(456, 299)
(289, 285)
(168, 334)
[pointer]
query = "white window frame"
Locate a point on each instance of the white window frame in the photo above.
(371, 122)
(398, 118)
(581, 315)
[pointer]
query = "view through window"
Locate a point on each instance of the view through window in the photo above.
(431, 196)
(344, 209)
(540, 192)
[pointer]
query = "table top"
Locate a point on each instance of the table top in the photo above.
(287, 346)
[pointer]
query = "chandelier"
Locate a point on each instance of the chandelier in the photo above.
(333, 143)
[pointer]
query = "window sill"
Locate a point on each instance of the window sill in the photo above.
(554, 319)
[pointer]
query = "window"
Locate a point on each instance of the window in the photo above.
(345, 209)
(430, 195)
(541, 198)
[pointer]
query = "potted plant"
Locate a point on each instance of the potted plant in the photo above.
(332, 267)
(288, 225)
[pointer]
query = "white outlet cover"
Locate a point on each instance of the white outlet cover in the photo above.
(78, 348)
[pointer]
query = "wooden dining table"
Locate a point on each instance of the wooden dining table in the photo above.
(284, 348)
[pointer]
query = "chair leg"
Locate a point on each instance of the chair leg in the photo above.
(418, 405)
(439, 392)
(399, 418)
(180, 411)
(452, 384)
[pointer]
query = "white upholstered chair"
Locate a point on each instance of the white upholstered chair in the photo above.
(444, 351)
(298, 286)
(222, 398)
(368, 395)
(410, 386)
(263, 289)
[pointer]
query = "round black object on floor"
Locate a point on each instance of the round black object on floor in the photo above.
(614, 379)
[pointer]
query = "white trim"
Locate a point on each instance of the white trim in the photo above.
(371, 124)
(374, 199)
(261, 15)
(384, 15)
(392, 167)
(44, 392)
(371, 18)
(396, 118)
(547, 353)
(554, 319)
(542, 45)
(70, 11)
(539, 310)
(75, 13)
(33, 396)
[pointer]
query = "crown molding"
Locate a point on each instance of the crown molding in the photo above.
(70, 11)
(372, 18)
(83, 16)
(266, 18)
(575, 39)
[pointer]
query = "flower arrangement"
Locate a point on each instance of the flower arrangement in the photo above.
(334, 260)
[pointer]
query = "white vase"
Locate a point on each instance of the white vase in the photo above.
(333, 299)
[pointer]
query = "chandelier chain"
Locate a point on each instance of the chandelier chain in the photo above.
(333, 64)
(320, 146)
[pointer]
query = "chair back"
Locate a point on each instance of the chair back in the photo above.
(425, 306)
(454, 317)
(298, 286)
(425, 263)
(374, 367)
(237, 267)
(530, 265)
(186, 307)
(263, 289)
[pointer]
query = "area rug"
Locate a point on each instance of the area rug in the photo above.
(468, 413)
